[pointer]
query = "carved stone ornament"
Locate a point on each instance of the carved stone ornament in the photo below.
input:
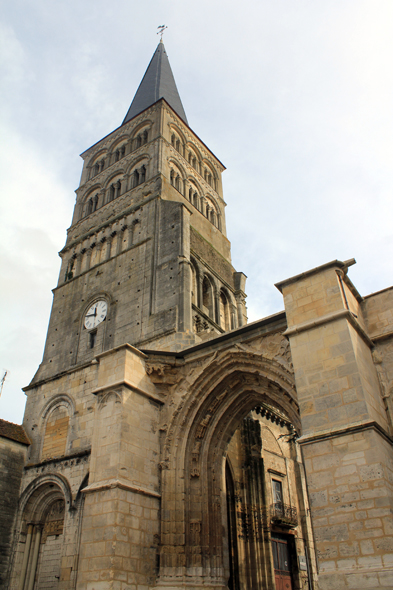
(162, 372)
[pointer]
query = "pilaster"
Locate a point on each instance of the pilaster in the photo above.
(119, 541)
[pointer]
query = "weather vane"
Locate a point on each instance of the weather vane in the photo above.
(161, 30)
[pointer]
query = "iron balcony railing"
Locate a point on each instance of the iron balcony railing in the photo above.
(284, 514)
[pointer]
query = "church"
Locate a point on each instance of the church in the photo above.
(167, 443)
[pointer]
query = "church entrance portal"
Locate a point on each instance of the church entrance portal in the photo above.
(258, 557)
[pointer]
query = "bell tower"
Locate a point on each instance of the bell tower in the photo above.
(146, 261)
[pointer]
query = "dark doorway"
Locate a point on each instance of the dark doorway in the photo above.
(282, 563)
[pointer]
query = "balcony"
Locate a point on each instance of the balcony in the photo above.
(283, 514)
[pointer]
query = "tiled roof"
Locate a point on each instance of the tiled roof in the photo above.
(14, 432)
(158, 82)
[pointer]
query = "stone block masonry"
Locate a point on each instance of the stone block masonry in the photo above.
(12, 459)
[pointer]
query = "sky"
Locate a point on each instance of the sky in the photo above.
(294, 97)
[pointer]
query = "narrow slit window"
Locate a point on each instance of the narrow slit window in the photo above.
(92, 339)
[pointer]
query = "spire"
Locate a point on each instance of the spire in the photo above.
(158, 82)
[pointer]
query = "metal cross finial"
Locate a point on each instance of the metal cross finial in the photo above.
(161, 30)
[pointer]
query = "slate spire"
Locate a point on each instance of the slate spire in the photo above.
(158, 82)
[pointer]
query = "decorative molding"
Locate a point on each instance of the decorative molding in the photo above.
(124, 383)
(74, 456)
(274, 472)
(119, 483)
(380, 337)
(351, 429)
(344, 314)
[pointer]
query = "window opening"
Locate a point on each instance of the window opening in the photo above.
(92, 339)
(277, 492)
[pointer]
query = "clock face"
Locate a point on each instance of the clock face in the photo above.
(96, 314)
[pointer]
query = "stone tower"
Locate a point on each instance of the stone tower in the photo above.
(148, 223)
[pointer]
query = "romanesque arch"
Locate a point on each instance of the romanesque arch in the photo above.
(44, 507)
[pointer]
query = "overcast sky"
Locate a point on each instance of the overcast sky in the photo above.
(294, 97)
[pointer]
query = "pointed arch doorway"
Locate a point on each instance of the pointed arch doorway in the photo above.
(204, 488)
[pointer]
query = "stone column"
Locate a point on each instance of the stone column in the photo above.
(240, 285)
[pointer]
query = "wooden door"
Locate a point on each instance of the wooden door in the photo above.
(282, 564)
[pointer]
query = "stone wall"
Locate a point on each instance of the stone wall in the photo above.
(12, 459)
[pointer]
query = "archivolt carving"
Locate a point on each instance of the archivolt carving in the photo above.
(59, 400)
(243, 368)
(44, 483)
(105, 397)
(221, 391)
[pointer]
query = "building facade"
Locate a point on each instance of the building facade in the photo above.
(174, 445)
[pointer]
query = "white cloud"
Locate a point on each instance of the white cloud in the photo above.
(294, 97)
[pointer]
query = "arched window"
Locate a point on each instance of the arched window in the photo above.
(143, 174)
(173, 140)
(194, 286)
(178, 145)
(195, 200)
(138, 141)
(207, 295)
(89, 206)
(224, 312)
(117, 155)
(102, 165)
(177, 183)
(95, 203)
(111, 193)
(135, 178)
(172, 177)
(145, 136)
(190, 194)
